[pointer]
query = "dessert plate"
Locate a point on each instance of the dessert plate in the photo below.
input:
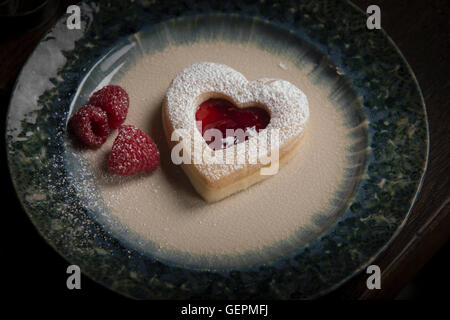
(323, 218)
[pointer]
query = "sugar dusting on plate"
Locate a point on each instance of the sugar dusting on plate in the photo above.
(163, 216)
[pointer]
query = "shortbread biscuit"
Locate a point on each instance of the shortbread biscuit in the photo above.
(199, 82)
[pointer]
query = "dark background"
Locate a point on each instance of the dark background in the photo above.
(415, 265)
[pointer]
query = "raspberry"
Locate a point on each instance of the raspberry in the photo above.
(132, 152)
(115, 101)
(90, 125)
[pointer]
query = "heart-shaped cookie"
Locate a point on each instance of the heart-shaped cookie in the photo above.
(219, 172)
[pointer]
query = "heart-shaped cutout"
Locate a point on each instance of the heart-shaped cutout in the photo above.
(223, 115)
(210, 171)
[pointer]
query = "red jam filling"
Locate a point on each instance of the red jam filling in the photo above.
(222, 115)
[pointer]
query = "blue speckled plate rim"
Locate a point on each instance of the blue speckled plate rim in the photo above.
(422, 178)
(400, 226)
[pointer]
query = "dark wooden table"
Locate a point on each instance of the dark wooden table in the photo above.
(422, 32)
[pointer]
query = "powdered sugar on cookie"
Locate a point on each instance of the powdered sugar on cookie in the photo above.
(287, 105)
